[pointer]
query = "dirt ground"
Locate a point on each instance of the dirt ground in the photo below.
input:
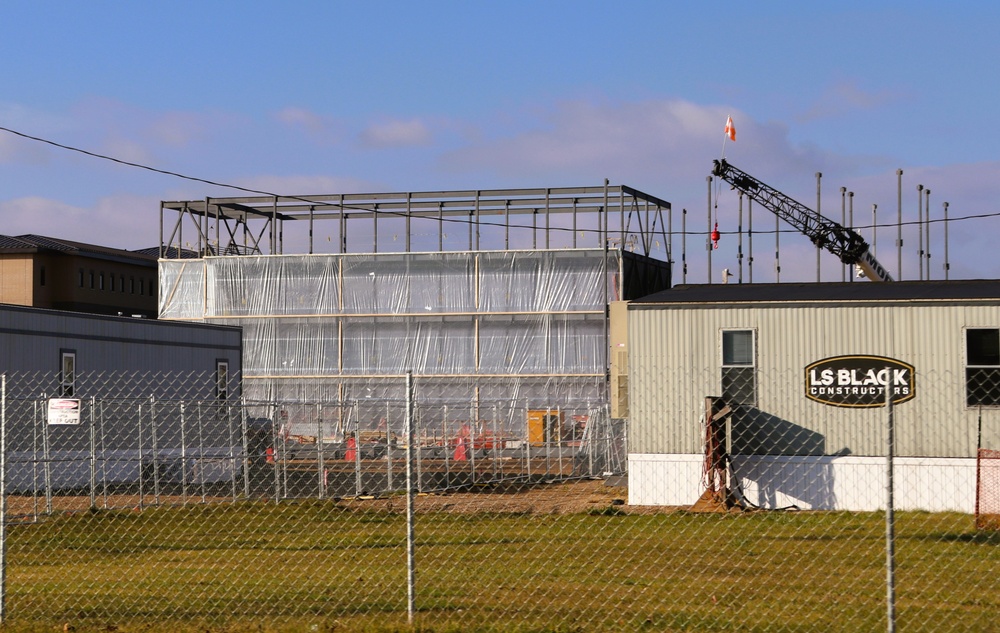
(569, 497)
(541, 498)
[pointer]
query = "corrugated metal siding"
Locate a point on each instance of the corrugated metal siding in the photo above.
(675, 363)
(31, 339)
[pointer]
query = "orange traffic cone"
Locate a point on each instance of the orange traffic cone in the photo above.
(461, 454)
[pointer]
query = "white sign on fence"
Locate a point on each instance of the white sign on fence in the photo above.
(64, 411)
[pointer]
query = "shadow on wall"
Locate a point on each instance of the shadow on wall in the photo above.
(781, 463)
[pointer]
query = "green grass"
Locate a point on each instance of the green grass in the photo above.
(312, 566)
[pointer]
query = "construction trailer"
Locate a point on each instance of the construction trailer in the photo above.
(792, 380)
(97, 397)
(486, 296)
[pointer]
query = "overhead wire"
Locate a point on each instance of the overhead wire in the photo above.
(216, 183)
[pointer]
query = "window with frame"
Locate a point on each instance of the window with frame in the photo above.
(739, 371)
(982, 366)
(67, 373)
(222, 379)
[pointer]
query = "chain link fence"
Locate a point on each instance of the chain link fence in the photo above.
(169, 503)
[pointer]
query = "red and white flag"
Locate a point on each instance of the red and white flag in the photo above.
(730, 129)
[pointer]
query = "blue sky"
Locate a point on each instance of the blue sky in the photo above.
(341, 97)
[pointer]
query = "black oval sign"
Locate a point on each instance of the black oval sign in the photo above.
(859, 381)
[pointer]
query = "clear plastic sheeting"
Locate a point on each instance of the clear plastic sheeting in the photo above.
(182, 289)
(544, 281)
(533, 393)
(242, 286)
(538, 314)
(412, 283)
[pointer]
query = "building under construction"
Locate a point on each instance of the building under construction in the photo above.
(484, 295)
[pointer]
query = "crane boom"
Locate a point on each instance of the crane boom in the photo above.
(843, 242)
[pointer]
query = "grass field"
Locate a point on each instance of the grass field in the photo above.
(318, 566)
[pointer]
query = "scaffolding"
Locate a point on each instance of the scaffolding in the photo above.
(490, 295)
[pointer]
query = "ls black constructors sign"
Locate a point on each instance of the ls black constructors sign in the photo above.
(859, 381)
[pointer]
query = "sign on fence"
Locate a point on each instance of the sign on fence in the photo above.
(64, 411)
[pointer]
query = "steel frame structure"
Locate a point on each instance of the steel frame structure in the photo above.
(608, 216)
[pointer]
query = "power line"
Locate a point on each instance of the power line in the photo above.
(247, 189)
(214, 183)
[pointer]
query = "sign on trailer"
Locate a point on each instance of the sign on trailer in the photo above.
(859, 381)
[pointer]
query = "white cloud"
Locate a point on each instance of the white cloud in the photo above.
(846, 96)
(127, 149)
(121, 221)
(665, 144)
(178, 129)
(319, 128)
(665, 148)
(41, 216)
(303, 185)
(301, 117)
(396, 133)
(17, 150)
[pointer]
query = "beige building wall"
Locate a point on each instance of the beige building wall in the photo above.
(81, 284)
(17, 280)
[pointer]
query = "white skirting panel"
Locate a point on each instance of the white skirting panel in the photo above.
(934, 484)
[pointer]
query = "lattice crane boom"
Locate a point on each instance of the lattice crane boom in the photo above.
(843, 242)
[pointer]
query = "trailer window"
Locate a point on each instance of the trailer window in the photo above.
(221, 379)
(982, 366)
(67, 373)
(739, 376)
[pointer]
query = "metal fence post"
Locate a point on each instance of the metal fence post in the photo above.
(3, 497)
(547, 436)
(418, 482)
(231, 429)
(104, 456)
(447, 448)
(142, 493)
(198, 463)
(46, 456)
(411, 575)
(93, 456)
(357, 449)
(320, 465)
(280, 483)
(246, 460)
(156, 450)
(388, 449)
(559, 442)
(527, 439)
(34, 462)
(890, 528)
(471, 453)
(184, 479)
(495, 449)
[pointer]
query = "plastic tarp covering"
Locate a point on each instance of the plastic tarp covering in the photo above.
(543, 281)
(182, 289)
(314, 318)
